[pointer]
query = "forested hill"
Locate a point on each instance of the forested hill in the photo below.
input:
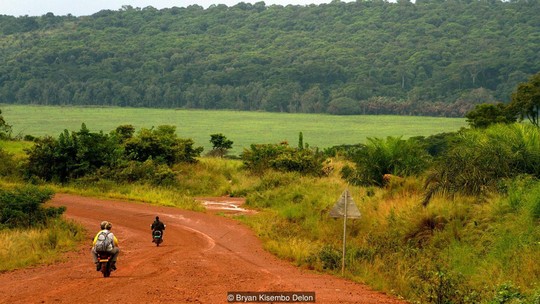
(426, 58)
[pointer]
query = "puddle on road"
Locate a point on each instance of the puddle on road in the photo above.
(226, 206)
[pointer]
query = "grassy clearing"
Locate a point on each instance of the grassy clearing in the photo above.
(23, 248)
(15, 147)
(243, 128)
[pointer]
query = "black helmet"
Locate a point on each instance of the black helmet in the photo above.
(157, 218)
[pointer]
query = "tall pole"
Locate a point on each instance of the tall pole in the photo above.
(344, 233)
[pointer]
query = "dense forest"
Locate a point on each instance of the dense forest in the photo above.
(433, 57)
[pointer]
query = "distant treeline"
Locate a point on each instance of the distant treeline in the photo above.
(435, 57)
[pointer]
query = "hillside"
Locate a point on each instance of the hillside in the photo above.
(434, 58)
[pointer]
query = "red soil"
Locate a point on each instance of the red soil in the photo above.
(203, 257)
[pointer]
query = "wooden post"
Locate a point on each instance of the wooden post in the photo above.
(344, 234)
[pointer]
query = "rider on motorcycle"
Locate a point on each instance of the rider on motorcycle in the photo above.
(112, 248)
(157, 225)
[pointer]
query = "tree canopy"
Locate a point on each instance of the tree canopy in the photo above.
(363, 57)
(526, 100)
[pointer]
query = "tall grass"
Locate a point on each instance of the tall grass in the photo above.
(22, 248)
(458, 250)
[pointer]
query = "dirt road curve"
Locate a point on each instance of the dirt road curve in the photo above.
(203, 257)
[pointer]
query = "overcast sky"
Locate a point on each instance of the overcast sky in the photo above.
(83, 8)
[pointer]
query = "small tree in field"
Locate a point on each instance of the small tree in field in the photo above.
(484, 115)
(526, 100)
(220, 145)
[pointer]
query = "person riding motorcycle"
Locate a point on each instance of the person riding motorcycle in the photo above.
(113, 249)
(157, 225)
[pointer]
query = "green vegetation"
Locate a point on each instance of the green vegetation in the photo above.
(31, 233)
(484, 115)
(243, 128)
(16, 148)
(458, 249)
(5, 129)
(42, 245)
(430, 57)
(23, 208)
(526, 100)
(391, 156)
(282, 157)
(120, 157)
(447, 218)
(220, 145)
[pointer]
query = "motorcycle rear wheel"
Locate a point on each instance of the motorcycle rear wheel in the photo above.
(106, 269)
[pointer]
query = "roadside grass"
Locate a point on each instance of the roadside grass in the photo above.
(243, 128)
(23, 248)
(208, 177)
(163, 196)
(456, 250)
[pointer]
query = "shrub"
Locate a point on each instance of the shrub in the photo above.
(7, 163)
(281, 157)
(22, 207)
(70, 156)
(391, 156)
(330, 257)
(482, 158)
(162, 145)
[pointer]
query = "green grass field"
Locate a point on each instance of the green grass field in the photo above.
(243, 128)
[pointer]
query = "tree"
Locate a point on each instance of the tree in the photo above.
(124, 132)
(220, 145)
(161, 145)
(5, 129)
(72, 155)
(526, 100)
(484, 115)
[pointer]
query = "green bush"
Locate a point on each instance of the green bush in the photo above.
(482, 158)
(281, 157)
(161, 145)
(72, 155)
(154, 173)
(391, 156)
(506, 293)
(330, 257)
(22, 207)
(7, 163)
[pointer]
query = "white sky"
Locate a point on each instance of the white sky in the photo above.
(83, 8)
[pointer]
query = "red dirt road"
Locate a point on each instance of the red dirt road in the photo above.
(203, 257)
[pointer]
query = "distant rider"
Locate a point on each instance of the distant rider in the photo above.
(157, 225)
(112, 246)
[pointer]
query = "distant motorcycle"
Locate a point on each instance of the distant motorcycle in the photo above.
(104, 259)
(158, 239)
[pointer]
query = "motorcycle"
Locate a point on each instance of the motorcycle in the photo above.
(104, 259)
(157, 237)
